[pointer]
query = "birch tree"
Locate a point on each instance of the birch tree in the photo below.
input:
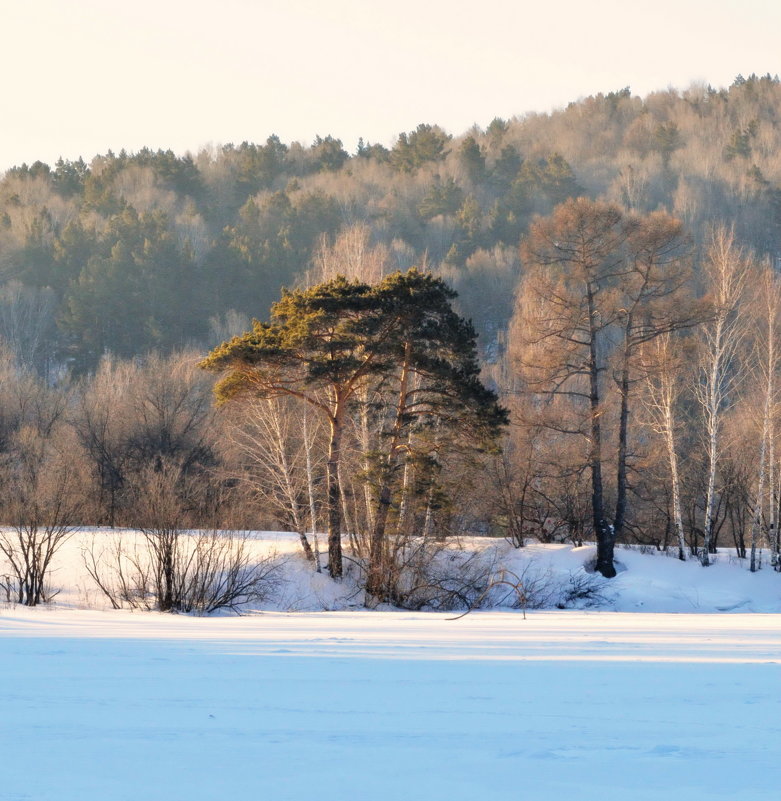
(662, 364)
(726, 270)
(275, 438)
(767, 364)
(351, 254)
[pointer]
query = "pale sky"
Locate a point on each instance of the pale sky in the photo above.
(80, 77)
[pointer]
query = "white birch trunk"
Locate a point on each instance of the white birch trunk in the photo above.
(756, 528)
(310, 486)
(401, 525)
(727, 269)
(771, 297)
(662, 368)
(675, 481)
(428, 523)
(346, 514)
(712, 429)
(773, 499)
(366, 449)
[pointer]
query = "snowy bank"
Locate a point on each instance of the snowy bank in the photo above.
(537, 576)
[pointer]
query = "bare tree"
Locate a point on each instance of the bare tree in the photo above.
(276, 438)
(27, 317)
(172, 411)
(600, 286)
(656, 300)
(567, 306)
(767, 363)
(102, 419)
(352, 255)
(132, 414)
(726, 269)
(662, 363)
(41, 507)
(176, 569)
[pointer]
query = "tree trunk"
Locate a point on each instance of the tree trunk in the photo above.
(712, 418)
(710, 496)
(662, 405)
(290, 492)
(349, 526)
(334, 496)
(428, 522)
(404, 503)
(375, 580)
(676, 484)
(727, 269)
(366, 447)
(623, 426)
(603, 531)
(310, 486)
(773, 498)
(759, 505)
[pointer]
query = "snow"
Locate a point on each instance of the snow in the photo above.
(101, 705)
(656, 582)
(646, 582)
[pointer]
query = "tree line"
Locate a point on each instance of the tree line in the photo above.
(131, 252)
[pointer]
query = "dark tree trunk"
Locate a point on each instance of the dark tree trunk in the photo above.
(334, 497)
(166, 603)
(374, 582)
(603, 531)
(623, 427)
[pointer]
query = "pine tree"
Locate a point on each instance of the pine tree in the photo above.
(402, 339)
(435, 384)
(321, 346)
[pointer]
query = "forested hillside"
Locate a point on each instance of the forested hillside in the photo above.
(619, 259)
(154, 250)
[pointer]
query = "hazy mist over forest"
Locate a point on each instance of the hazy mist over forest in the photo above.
(130, 251)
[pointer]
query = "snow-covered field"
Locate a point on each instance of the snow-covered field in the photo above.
(105, 706)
